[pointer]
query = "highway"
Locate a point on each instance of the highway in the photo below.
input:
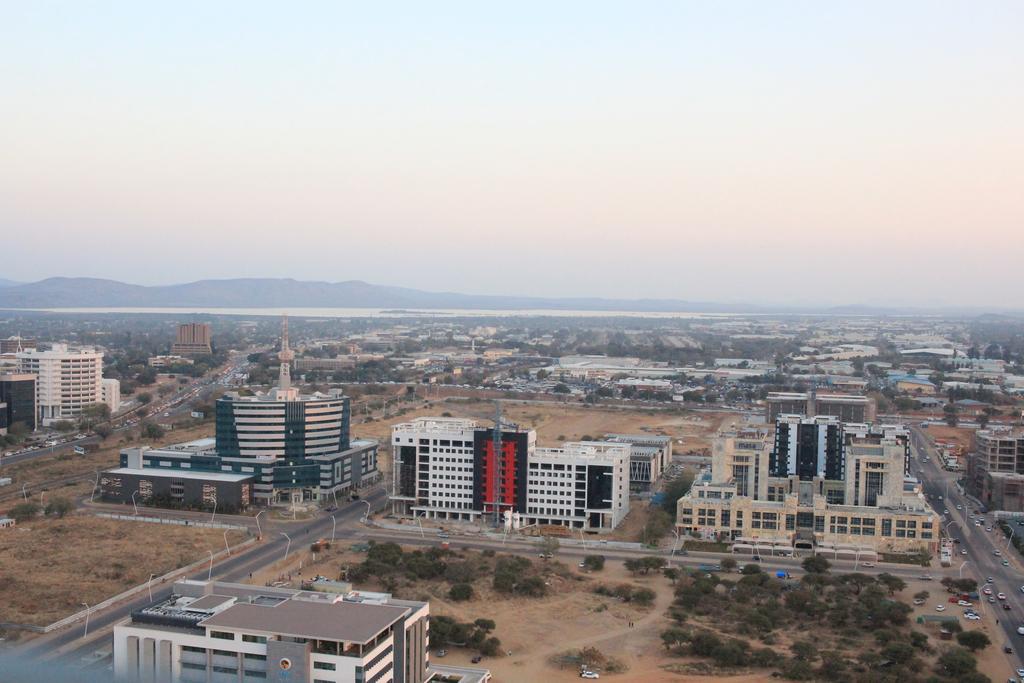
(980, 545)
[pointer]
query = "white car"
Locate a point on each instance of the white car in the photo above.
(964, 603)
(1001, 596)
(963, 552)
(997, 552)
(972, 617)
(1020, 630)
(589, 674)
(940, 608)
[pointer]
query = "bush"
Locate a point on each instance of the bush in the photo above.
(59, 507)
(973, 640)
(460, 592)
(22, 512)
(594, 562)
(644, 597)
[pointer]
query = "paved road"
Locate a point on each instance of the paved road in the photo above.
(980, 558)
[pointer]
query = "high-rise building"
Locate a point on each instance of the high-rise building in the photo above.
(995, 469)
(110, 393)
(67, 380)
(844, 407)
(297, 446)
(193, 339)
(649, 456)
(16, 344)
(17, 401)
(807, 448)
(445, 468)
(215, 631)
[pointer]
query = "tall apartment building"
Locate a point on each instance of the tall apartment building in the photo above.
(445, 468)
(67, 380)
(844, 407)
(17, 401)
(842, 490)
(193, 339)
(995, 469)
(650, 455)
(214, 632)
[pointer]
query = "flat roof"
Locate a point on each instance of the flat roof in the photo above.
(181, 473)
(350, 622)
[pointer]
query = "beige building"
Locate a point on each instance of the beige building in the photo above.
(67, 380)
(193, 339)
(874, 509)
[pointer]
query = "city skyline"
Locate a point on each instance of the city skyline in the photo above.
(736, 154)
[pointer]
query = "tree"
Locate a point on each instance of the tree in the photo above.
(144, 397)
(64, 426)
(922, 595)
(490, 647)
(460, 592)
(99, 411)
(486, 625)
(671, 573)
(893, 584)
(151, 430)
(956, 663)
(728, 564)
(973, 640)
(594, 562)
(673, 637)
(59, 506)
(22, 512)
(561, 388)
(549, 545)
(643, 597)
(103, 430)
(816, 564)
(805, 650)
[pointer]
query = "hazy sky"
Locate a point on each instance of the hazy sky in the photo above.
(786, 152)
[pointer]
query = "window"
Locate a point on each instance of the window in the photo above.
(222, 635)
(255, 674)
(194, 667)
(325, 666)
(190, 648)
(253, 639)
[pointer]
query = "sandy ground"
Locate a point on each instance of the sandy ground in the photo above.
(50, 566)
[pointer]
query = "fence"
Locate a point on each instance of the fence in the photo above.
(165, 520)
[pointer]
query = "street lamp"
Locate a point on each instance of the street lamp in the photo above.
(209, 574)
(288, 546)
(962, 569)
(24, 494)
(150, 586)
(86, 634)
(334, 527)
(95, 486)
(1010, 537)
(951, 522)
(214, 510)
(259, 529)
(366, 518)
(226, 546)
(134, 504)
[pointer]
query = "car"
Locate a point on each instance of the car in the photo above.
(1020, 630)
(945, 512)
(756, 558)
(940, 608)
(1008, 650)
(989, 580)
(997, 552)
(972, 617)
(441, 653)
(581, 565)
(867, 564)
(957, 541)
(988, 528)
(1022, 589)
(964, 603)
(925, 577)
(986, 590)
(476, 660)
(1020, 672)
(963, 552)
(1001, 596)
(1006, 606)
(443, 534)
(1006, 563)
(589, 674)
(991, 600)
(331, 508)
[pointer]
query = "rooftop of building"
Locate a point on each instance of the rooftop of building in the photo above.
(645, 439)
(435, 425)
(351, 618)
(176, 473)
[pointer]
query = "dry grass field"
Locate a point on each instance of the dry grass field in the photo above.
(49, 567)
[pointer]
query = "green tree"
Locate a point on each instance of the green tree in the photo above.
(22, 512)
(728, 564)
(103, 430)
(63, 426)
(144, 397)
(816, 564)
(151, 430)
(490, 647)
(59, 506)
(893, 584)
(594, 562)
(673, 637)
(973, 640)
(671, 573)
(549, 545)
(956, 663)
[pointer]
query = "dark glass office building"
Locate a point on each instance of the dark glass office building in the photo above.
(17, 400)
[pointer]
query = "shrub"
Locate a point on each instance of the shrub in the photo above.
(460, 592)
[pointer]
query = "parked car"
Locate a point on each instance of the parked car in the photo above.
(589, 674)
(476, 660)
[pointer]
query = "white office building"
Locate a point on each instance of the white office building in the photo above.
(433, 467)
(110, 392)
(67, 380)
(583, 485)
(213, 632)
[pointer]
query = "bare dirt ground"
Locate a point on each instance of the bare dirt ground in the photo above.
(959, 435)
(50, 566)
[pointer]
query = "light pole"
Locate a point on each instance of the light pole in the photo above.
(582, 539)
(226, 546)
(24, 494)
(288, 546)
(214, 510)
(1009, 538)
(86, 634)
(951, 522)
(675, 543)
(149, 585)
(41, 494)
(366, 518)
(134, 504)
(962, 569)
(334, 527)
(259, 529)
(95, 486)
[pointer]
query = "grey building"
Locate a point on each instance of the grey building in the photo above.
(17, 400)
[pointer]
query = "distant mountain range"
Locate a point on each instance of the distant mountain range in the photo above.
(67, 292)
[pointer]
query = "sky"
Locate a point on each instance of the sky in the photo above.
(758, 152)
